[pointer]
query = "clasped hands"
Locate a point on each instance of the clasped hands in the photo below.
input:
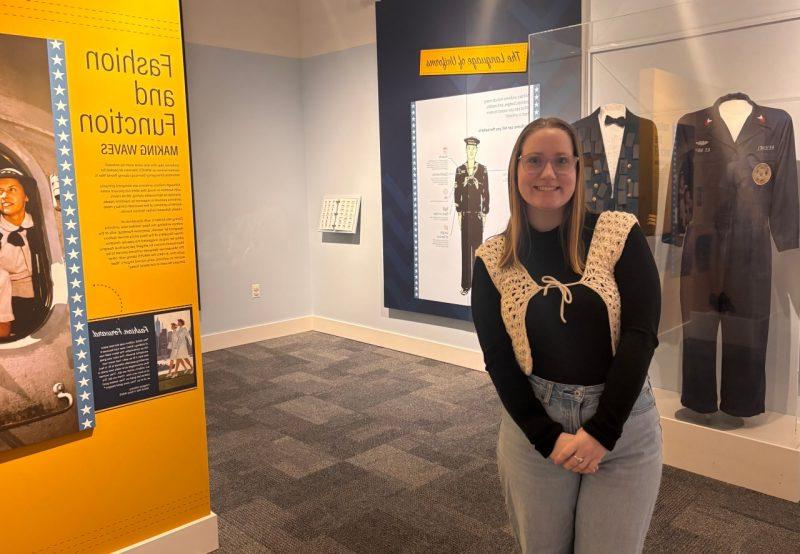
(579, 453)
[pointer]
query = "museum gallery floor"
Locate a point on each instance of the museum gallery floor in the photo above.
(322, 444)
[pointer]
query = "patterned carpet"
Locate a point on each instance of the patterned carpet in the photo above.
(322, 444)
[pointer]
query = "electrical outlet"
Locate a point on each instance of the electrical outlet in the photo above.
(255, 290)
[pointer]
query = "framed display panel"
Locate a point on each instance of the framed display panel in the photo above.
(339, 214)
(424, 121)
(707, 94)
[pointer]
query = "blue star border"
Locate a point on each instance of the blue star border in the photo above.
(73, 252)
(414, 185)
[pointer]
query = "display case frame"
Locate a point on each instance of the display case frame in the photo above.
(662, 64)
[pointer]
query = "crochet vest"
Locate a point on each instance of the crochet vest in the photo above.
(517, 287)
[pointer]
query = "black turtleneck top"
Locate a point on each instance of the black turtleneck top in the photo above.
(577, 352)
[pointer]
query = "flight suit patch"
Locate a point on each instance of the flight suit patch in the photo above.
(762, 173)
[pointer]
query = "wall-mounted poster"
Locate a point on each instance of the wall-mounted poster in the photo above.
(96, 232)
(100, 368)
(45, 374)
(460, 184)
(448, 120)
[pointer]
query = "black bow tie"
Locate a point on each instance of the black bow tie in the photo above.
(616, 120)
(15, 237)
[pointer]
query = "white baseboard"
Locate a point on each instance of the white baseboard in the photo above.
(395, 341)
(199, 536)
(767, 462)
(402, 343)
(238, 337)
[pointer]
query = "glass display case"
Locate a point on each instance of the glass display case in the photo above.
(685, 114)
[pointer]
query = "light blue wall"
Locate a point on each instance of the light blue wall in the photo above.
(270, 137)
(340, 106)
(246, 122)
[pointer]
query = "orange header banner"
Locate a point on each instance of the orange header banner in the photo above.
(470, 60)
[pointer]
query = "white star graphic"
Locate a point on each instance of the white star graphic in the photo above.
(82, 354)
(87, 423)
(56, 60)
(74, 269)
(71, 225)
(70, 211)
(75, 283)
(83, 368)
(59, 90)
(72, 239)
(76, 297)
(64, 151)
(73, 254)
(65, 165)
(67, 182)
(57, 74)
(56, 45)
(62, 136)
(61, 106)
(84, 396)
(78, 312)
(84, 382)
(79, 327)
(85, 410)
(80, 340)
(62, 121)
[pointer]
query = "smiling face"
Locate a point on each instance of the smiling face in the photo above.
(13, 200)
(551, 188)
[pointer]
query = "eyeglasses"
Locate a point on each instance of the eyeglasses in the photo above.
(533, 164)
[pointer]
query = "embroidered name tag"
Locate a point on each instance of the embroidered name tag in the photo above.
(701, 146)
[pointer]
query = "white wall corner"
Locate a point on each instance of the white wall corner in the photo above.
(333, 25)
(262, 26)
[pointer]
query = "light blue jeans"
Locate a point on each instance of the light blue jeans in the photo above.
(553, 510)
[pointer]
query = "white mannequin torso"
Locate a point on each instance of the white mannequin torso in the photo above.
(734, 113)
(612, 136)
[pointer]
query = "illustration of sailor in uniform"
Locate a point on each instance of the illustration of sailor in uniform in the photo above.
(471, 197)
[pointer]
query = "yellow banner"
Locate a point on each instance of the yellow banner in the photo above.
(95, 176)
(469, 60)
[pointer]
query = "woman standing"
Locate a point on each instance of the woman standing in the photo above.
(172, 346)
(184, 344)
(566, 305)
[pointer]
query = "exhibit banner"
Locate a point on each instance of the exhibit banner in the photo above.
(493, 58)
(98, 288)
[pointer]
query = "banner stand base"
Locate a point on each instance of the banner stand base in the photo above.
(200, 535)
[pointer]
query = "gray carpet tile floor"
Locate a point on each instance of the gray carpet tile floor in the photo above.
(323, 444)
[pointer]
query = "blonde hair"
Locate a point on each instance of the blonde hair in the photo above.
(571, 230)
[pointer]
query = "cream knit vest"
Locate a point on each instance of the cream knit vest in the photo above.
(517, 287)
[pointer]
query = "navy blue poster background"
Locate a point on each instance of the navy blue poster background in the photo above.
(404, 27)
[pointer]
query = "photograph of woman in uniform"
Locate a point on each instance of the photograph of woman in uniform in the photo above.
(25, 282)
(38, 388)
